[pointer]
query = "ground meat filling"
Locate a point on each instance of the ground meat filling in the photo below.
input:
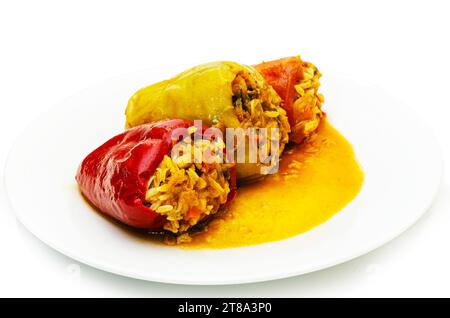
(307, 107)
(188, 193)
(258, 106)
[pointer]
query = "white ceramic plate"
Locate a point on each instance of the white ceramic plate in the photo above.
(398, 154)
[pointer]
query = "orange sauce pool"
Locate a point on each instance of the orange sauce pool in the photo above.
(314, 182)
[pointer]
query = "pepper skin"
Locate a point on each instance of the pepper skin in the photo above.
(114, 177)
(203, 92)
(283, 75)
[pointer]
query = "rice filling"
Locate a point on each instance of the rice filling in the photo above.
(258, 106)
(307, 107)
(187, 193)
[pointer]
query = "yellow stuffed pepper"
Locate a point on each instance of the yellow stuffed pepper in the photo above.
(222, 95)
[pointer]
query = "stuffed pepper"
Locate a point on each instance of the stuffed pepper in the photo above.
(297, 83)
(222, 95)
(135, 178)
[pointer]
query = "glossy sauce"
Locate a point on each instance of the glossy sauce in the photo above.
(314, 182)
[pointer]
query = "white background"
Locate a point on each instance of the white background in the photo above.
(52, 49)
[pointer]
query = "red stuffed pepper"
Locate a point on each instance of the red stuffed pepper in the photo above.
(297, 83)
(133, 178)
